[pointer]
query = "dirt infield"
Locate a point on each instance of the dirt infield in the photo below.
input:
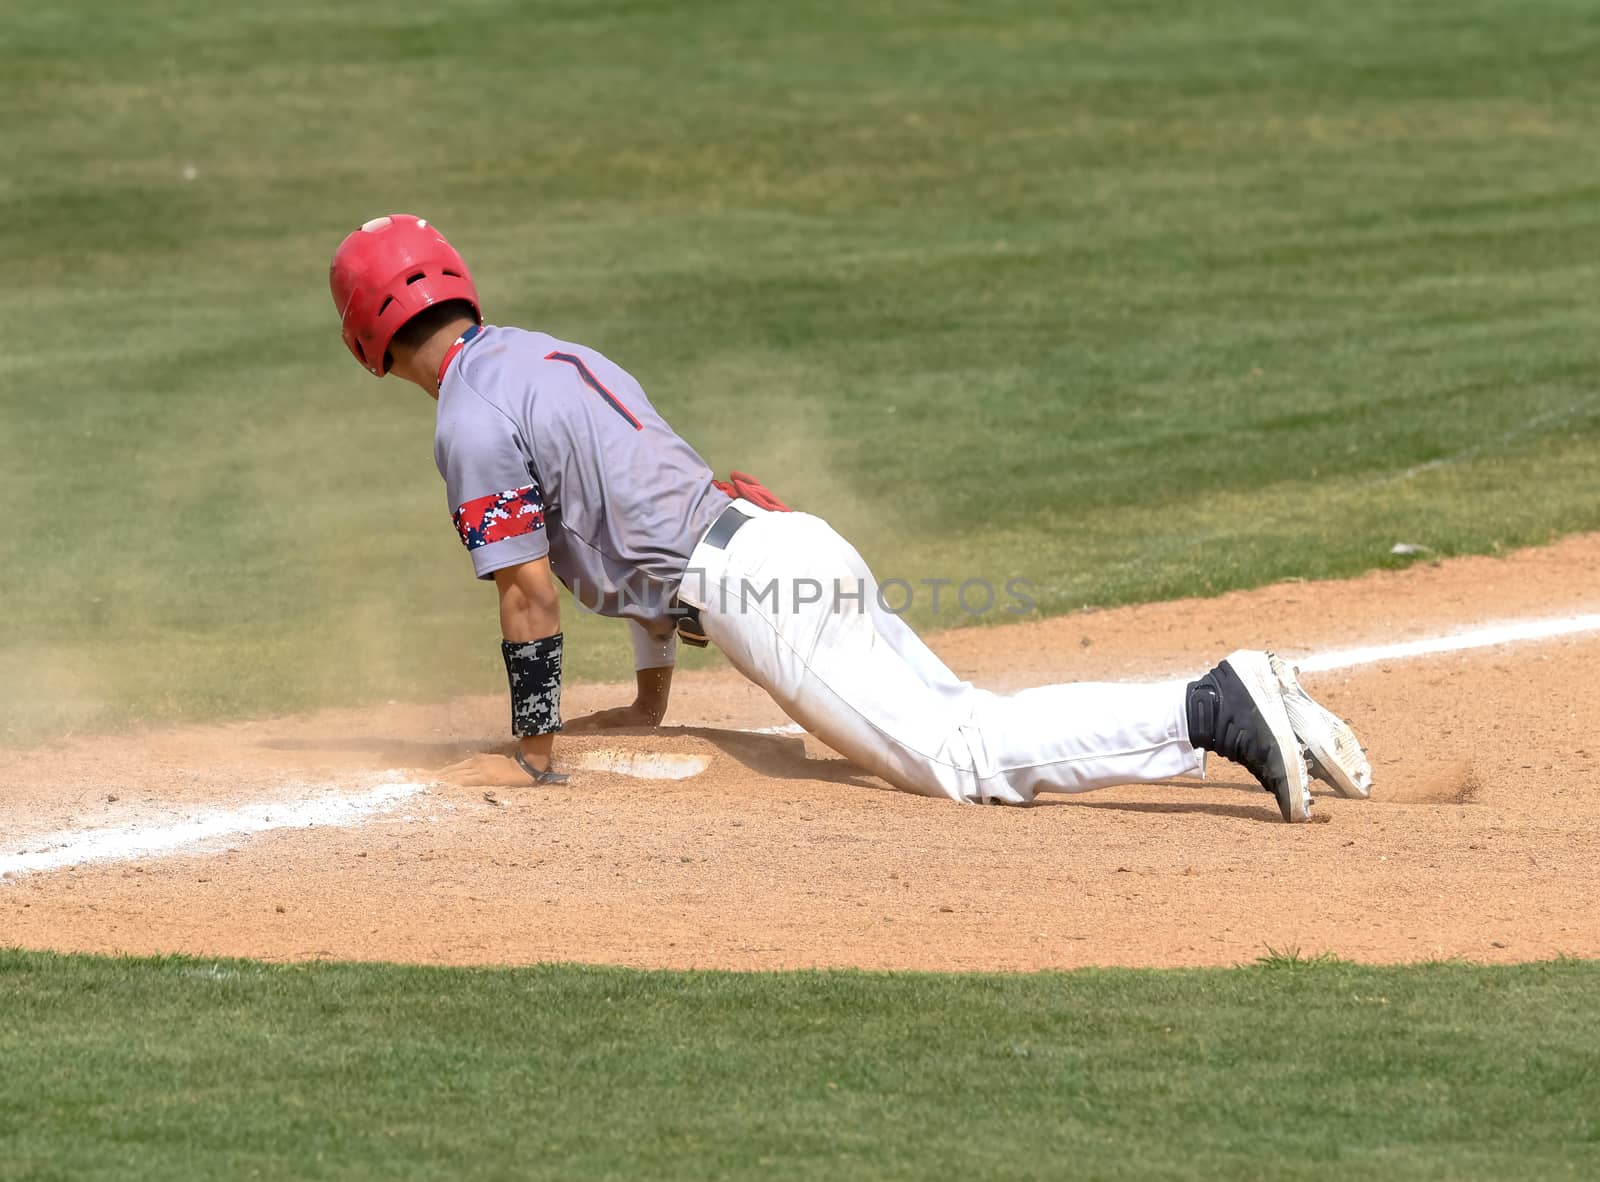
(1481, 840)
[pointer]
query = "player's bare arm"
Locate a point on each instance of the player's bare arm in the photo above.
(530, 606)
(648, 708)
(530, 623)
(530, 615)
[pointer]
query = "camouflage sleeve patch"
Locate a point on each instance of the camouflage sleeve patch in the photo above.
(499, 516)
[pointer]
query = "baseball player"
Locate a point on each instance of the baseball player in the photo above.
(558, 469)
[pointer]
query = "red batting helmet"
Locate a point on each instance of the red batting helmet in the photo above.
(388, 271)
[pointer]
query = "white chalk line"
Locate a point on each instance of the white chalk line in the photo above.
(1513, 632)
(1532, 426)
(55, 851)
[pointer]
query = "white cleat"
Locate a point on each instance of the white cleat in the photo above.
(1333, 754)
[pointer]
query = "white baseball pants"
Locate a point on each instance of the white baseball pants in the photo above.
(858, 678)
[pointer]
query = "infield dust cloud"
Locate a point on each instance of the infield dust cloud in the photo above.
(231, 583)
(45, 694)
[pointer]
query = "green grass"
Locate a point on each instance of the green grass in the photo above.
(1127, 300)
(1291, 1069)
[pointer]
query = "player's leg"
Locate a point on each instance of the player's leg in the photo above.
(898, 634)
(761, 604)
(1012, 747)
(833, 668)
(1332, 752)
(1250, 708)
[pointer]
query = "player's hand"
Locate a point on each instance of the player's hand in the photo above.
(634, 714)
(488, 771)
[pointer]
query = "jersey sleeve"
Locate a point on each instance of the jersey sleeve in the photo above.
(495, 498)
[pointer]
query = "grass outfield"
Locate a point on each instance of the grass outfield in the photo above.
(195, 1069)
(1130, 301)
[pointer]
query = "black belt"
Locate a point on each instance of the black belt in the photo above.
(724, 527)
(728, 523)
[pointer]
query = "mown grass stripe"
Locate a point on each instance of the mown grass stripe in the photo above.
(179, 1068)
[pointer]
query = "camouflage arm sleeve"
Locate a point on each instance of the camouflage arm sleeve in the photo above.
(534, 671)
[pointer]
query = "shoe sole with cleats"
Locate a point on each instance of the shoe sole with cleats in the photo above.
(1333, 754)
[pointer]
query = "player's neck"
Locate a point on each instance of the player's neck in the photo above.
(420, 366)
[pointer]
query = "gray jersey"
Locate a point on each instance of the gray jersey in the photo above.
(547, 448)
